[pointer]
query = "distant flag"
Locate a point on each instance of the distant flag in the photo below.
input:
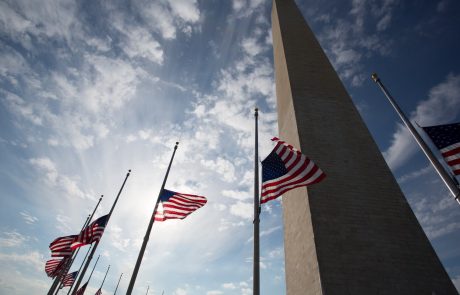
(54, 266)
(82, 290)
(99, 292)
(176, 205)
(69, 279)
(447, 139)
(286, 168)
(91, 233)
(60, 247)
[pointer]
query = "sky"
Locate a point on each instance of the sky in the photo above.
(90, 89)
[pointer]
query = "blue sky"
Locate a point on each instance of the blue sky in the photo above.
(91, 89)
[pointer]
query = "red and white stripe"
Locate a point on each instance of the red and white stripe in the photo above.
(179, 206)
(60, 247)
(53, 266)
(89, 235)
(68, 280)
(451, 155)
(301, 172)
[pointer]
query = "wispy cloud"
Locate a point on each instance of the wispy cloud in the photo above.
(13, 239)
(350, 40)
(53, 178)
(34, 259)
(28, 218)
(441, 106)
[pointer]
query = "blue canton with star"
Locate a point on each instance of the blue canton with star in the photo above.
(272, 167)
(166, 195)
(444, 135)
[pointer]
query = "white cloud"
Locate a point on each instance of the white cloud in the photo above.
(180, 291)
(238, 4)
(214, 292)
(415, 174)
(28, 218)
(47, 19)
(241, 209)
(245, 8)
(140, 43)
(54, 179)
(222, 166)
(350, 40)
(230, 286)
(187, 10)
(63, 223)
(442, 105)
(33, 259)
(12, 239)
(21, 107)
(251, 46)
(237, 194)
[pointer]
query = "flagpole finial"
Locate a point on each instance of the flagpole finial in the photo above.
(375, 77)
(177, 143)
(101, 197)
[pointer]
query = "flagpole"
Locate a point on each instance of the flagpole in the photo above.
(428, 153)
(149, 229)
(81, 265)
(58, 277)
(75, 253)
(256, 263)
(67, 267)
(116, 288)
(97, 243)
(100, 288)
(94, 267)
(148, 287)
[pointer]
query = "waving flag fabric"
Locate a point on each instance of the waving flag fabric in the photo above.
(175, 205)
(286, 168)
(91, 233)
(54, 266)
(60, 247)
(69, 279)
(82, 290)
(447, 139)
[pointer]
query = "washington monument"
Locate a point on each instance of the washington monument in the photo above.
(354, 233)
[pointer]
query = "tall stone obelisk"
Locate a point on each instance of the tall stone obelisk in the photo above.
(353, 233)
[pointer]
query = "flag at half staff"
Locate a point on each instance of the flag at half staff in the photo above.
(176, 205)
(286, 168)
(60, 247)
(447, 139)
(91, 233)
(54, 266)
(69, 279)
(82, 290)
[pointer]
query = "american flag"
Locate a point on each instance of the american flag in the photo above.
(177, 206)
(447, 139)
(91, 233)
(60, 247)
(286, 168)
(54, 266)
(82, 290)
(99, 292)
(69, 279)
